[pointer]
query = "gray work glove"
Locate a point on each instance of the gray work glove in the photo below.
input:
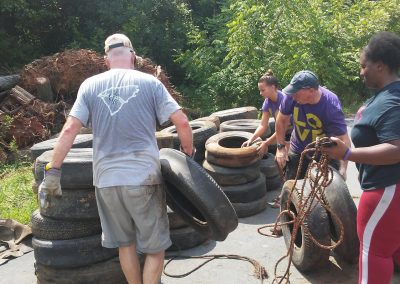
(50, 185)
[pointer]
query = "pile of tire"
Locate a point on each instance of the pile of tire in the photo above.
(307, 255)
(67, 233)
(237, 171)
(267, 166)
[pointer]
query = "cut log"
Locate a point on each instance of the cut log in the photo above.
(43, 89)
(21, 95)
(7, 82)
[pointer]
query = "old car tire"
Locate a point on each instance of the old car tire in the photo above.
(247, 112)
(338, 198)
(224, 149)
(81, 141)
(306, 254)
(185, 238)
(247, 209)
(105, 272)
(71, 253)
(232, 176)
(175, 220)
(213, 119)
(76, 170)
(247, 125)
(195, 195)
(53, 229)
(268, 166)
(248, 192)
(72, 205)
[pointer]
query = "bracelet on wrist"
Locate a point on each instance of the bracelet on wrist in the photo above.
(346, 154)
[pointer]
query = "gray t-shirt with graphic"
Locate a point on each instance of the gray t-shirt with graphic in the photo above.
(122, 106)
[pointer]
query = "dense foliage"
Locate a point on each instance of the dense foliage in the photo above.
(214, 50)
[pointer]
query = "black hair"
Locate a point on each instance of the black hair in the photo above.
(269, 78)
(385, 47)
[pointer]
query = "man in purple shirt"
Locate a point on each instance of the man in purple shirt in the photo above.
(316, 112)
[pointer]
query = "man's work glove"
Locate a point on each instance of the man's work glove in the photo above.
(50, 185)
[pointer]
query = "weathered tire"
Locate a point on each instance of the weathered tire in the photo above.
(232, 176)
(9, 81)
(185, 238)
(338, 198)
(202, 130)
(273, 183)
(268, 166)
(224, 149)
(243, 193)
(213, 119)
(175, 220)
(164, 140)
(71, 253)
(53, 229)
(81, 141)
(193, 194)
(247, 125)
(306, 255)
(250, 208)
(248, 112)
(77, 168)
(72, 205)
(105, 272)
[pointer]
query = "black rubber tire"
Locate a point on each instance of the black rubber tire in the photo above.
(71, 253)
(164, 140)
(232, 176)
(53, 229)
(338, 198)
(195, 195)
(175, 220)
(306, 255)
(247, 112)
(247, 125)
(213, 119)
(243, 193)
(274, 183)
(9, 81)
(81, 141)
(72, 205)
(271, 126)
(202, 130)
(77, 168)
(224, 149)
(251, 208)
(268, 166)
(185, 238)
(105, 272)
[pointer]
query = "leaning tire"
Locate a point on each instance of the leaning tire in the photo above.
(105, 272)
(236, 113)
(71, 253)
(247, 125)
(52, 229)
(338, 198)
(232, 176)
(175, 220)
(224, 149)
(77, 168)
(193, 194)
(81, 141)
(306, 254)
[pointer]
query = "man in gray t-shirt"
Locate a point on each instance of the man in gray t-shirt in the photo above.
(122, 106)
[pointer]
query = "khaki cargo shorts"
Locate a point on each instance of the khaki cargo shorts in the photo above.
(134, 214)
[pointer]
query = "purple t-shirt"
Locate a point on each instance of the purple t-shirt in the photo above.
(273, 107)
(310, 121)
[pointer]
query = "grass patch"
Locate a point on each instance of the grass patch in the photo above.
(17, 200)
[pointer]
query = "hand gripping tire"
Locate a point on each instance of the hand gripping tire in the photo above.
(193, 194)
(224, 149)
(306, 254)
(338, 198)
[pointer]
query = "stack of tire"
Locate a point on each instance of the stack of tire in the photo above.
(268, 166)
(202, 130)
(67, 232)
(321, 225)
(237, 171)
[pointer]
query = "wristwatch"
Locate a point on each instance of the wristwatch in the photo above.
(280, 146)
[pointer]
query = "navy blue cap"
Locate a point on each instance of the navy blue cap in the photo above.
(301, 80)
